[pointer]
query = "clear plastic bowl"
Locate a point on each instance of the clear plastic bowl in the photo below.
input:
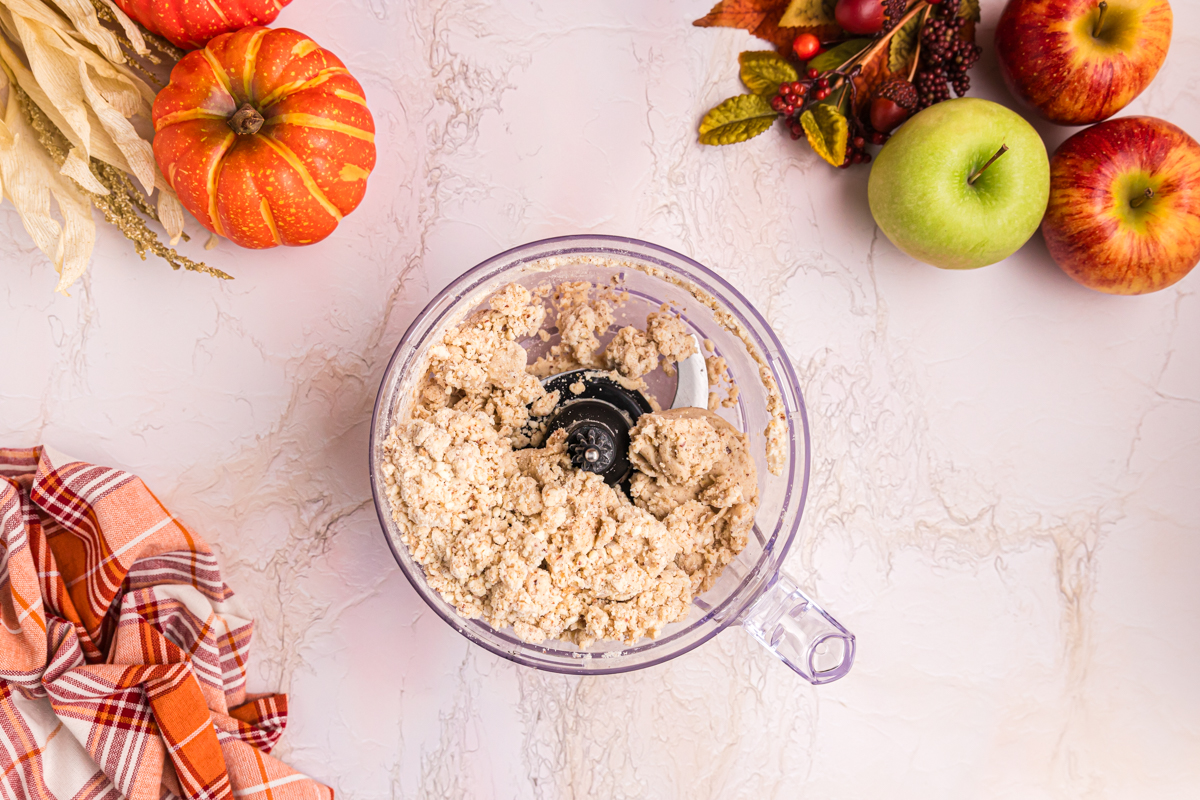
(751, 591)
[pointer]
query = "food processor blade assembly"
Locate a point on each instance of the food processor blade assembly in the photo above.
(598, 411)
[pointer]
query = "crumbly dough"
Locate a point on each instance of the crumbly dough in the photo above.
(670, 334)
(515, 534)
(631, 353)
(694, 471)
(718, 375)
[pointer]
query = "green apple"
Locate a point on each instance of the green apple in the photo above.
(961, 185)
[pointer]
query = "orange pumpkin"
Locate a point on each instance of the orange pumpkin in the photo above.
(191, 23)
(265, 137)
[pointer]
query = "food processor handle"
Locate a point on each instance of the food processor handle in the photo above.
(792, 626)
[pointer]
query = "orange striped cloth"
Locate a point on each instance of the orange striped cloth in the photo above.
(123, 653)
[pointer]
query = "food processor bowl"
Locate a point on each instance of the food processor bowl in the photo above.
(751, 591)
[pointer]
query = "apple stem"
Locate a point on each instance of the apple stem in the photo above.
(1099, 19)
(1141, 198)
(975, 175)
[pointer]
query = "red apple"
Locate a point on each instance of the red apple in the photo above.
(859, 16)
(1124, 212)
(1076, 62)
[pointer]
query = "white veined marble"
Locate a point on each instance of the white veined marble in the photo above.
(1004, 506)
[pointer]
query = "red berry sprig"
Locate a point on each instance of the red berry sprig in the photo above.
(795, 97)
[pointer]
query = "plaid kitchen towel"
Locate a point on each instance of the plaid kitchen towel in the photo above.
(122, 654)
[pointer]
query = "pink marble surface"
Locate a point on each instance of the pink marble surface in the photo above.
(1004, 506)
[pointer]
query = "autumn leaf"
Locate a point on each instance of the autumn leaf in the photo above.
(835, 57)
(746, 14)
(761, 18)
(737, 119)
(970, 10)
(763, 70)
(827, 131)
(903, 46)
(808, 13)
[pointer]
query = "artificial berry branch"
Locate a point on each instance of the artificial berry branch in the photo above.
(946, 56)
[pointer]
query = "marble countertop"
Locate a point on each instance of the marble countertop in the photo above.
(1004, 505)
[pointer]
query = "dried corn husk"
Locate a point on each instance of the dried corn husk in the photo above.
(133, 34)
(82, 15)
(29, 179)
(73, 94)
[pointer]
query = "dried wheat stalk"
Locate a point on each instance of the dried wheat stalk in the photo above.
(70, 90)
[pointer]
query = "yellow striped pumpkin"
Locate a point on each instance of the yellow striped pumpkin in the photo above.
(190, 24)
(265, 137)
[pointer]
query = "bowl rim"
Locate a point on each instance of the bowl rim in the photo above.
(595, 662)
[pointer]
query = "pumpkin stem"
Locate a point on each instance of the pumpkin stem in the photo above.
(245, 120)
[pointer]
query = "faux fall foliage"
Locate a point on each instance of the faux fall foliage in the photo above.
(828, 98)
